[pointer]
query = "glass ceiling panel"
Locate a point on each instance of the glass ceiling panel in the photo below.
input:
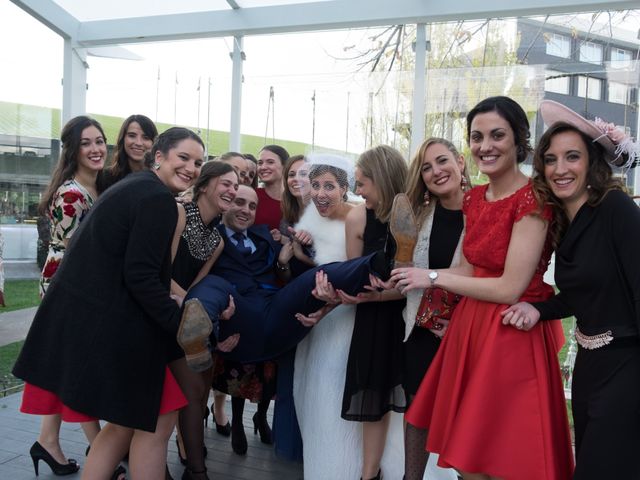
(88, 11)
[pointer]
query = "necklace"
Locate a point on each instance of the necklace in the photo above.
(201, 239)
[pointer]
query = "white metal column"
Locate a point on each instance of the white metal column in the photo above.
(236, 94)
(74, 82)
(419, 89)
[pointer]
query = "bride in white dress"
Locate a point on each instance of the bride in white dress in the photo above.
(332, 447)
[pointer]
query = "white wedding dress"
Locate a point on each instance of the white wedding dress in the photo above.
(332, 447)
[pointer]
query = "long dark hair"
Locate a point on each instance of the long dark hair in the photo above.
(281, 152)
(291, 210)
(211, 169)
(600, 178)
(120, 165)
(513, 113)
(67, 165)
(168, 140)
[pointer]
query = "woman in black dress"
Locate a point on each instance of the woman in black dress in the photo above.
(435, 187)
(98, 343)
(373, 383)
(596, 237)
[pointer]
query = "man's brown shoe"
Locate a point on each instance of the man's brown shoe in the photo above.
(193, 335)
(404, 230)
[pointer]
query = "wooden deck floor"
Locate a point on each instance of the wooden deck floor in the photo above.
(18, 432)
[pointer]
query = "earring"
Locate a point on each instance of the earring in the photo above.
(463, 183)
(588, 187)
(156, 166)
(427, 198)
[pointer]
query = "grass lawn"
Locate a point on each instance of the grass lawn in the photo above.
(8, 355)
(19, 294)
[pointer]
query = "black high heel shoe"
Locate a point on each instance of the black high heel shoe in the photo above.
(206, 416)
(38, 453)
(260, 424)
(239, 439)
(188, 474)
(224, 430)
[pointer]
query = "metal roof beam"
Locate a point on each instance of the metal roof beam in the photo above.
(52, 15)
(324, 15)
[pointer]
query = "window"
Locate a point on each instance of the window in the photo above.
(618, 93)
(556, 82)
(591, 52)
(558, 46)
(620, 58)
(590, 88)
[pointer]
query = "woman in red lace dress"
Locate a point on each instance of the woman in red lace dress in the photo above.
(492, 399)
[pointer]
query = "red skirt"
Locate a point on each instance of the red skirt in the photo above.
(38, 401)
(493, 400)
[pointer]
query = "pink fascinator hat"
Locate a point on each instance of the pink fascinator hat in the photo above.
(620, 149)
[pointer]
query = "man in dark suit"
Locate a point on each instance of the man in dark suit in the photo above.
(248, 270)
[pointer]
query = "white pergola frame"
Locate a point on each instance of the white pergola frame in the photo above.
(240, 22)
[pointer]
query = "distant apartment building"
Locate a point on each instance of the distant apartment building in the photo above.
(593, 69)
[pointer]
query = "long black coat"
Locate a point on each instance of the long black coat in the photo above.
(99, 338)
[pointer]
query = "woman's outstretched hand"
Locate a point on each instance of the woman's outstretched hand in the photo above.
(377, 284)
(228, 343)
(362, 297)
(301, 236)
(313, 318)
(410, 278)
(324, 290)
(522, 316)
(228, 312)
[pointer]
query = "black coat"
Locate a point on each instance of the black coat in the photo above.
(99, 338)
(598, 269)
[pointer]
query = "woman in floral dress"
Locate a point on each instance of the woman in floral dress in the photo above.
(66, 202)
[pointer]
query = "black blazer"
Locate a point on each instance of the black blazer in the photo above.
(248, 274)
(98, 339)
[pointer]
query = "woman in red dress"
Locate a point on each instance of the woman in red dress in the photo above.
(271, 160)
(492, 398)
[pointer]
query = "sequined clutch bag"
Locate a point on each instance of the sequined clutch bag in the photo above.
(436, 303)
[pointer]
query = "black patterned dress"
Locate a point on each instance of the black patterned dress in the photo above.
(197, 243)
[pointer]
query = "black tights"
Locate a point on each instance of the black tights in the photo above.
(415, 456)
(237, 409)
(195, 387)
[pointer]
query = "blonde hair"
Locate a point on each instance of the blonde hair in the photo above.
(387, 170)
(415, 185)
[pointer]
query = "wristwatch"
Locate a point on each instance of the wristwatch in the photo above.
(433, 276)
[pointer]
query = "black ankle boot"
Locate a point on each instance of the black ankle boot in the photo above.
(238, 438)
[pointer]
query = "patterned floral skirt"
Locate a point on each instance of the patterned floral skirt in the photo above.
(252, 381)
